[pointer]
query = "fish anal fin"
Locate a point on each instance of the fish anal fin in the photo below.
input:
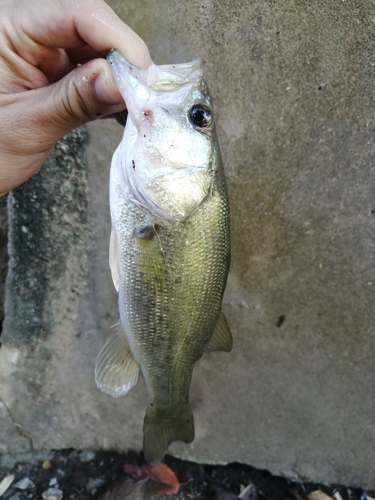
(114, 259)
(221, 339)
(116, 370)
(160, 429)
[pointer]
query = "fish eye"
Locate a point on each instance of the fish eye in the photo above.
(200, 115)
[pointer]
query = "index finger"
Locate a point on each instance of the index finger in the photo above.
(69, 24)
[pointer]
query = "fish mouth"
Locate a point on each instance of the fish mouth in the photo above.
(158, 78)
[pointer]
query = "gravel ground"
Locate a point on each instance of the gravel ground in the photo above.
(81, 475)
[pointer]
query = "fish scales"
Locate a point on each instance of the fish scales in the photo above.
(169, 257)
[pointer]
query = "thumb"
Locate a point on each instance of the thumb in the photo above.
(33, 120)
(84, 94)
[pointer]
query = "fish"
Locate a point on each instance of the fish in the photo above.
(169, 248)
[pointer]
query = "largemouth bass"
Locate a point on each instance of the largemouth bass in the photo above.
(169, 248)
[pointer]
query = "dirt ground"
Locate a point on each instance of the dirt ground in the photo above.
(82, 475)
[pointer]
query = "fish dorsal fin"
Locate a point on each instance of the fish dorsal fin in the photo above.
(116, 370)
(114, 259)
(221, 339)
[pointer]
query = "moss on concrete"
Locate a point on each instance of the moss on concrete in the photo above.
(48, 217)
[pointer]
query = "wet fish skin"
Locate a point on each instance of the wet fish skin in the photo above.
(170, 248)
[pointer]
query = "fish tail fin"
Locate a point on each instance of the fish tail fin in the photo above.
(160, 429)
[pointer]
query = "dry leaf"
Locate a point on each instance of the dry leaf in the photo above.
(318, 495)
(46, 465)
(163, 478)
(5, 483)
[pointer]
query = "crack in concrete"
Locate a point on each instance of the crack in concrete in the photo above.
(17, 426)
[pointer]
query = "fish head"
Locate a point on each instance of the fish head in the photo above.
(169, 135)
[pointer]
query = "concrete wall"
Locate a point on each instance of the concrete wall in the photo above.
(3, 254)
(293, 84)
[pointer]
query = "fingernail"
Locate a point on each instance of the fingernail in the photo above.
(106, 90)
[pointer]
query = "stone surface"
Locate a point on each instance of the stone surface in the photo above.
(47, 276)
(293, 84)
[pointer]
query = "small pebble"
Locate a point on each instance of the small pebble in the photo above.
(15, 497)
(53, 482)
(23, 484)
(93, 484)
(52, 494)
(87, 456)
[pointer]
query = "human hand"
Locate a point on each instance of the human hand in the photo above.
(43, 93)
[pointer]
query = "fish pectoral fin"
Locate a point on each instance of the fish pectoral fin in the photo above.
(221, 339)
(160, 429)
(114, 259)
(116, 370)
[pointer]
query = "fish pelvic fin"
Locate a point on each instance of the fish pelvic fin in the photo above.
(116, 370)
(114, 259)
(160, 429)
(221, 339)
